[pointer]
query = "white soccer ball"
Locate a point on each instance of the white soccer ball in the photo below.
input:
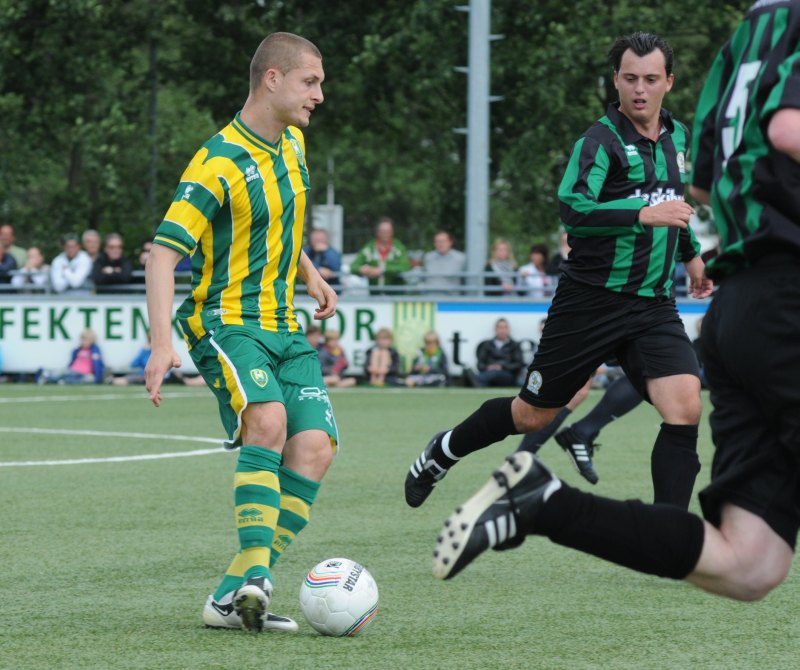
(339, 597)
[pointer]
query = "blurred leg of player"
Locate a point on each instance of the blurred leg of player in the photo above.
(534, 441)
(578, 440)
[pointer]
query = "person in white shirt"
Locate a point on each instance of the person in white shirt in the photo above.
(71, 269)
(532, 278)
(444, 266)
(35, 272)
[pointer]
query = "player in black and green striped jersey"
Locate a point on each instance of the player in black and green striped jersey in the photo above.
(239, 211)
(622, 204)
(747, 165)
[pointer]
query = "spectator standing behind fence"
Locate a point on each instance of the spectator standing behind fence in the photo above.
(383, 361)
(144, 254)
(91, 243)
(500, 360)
(532, 277)
(70, 271)
(85, 365)
(382, 260)
(444, 266)
(7, 265)
(501, 269)
(111, 268)
(35, 272)
(324, 257)
(8, 238)
(430, 365)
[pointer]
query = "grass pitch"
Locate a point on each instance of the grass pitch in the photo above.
(107, 563)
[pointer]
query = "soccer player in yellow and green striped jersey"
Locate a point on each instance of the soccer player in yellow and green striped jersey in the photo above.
(239, 211)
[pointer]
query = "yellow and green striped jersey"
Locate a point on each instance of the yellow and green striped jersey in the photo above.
(239, 211)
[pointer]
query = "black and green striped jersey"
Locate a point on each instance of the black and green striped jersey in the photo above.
(612, 173)
(755, 190)
(239, 210)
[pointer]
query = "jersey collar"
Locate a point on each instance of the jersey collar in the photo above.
(251, 136)
(626, 130)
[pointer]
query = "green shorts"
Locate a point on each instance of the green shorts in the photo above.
(245, 364)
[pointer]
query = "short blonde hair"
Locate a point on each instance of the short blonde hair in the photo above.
(281, 51)
(498, 241)
(432, 335)
(89, 334)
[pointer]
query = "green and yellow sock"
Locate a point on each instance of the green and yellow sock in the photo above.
(297, 495)
(233, 579)
(257, 500)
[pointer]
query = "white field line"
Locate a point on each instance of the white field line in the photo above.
(112, 459)
(99, 396)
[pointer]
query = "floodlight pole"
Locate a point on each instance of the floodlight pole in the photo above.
(476, 222)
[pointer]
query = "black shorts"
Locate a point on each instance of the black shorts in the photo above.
(751, 349)
(587, 326)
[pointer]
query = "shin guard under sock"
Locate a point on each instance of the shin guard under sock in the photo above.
(660, 540)
(674, 464)
(298, 494)
(257, 500)
(490, 423)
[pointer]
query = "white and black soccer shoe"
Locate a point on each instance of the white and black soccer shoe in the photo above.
(496, 516)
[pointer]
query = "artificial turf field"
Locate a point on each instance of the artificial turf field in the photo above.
(107, 564)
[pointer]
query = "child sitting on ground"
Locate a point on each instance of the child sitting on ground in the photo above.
(383, 361)
(334, 362)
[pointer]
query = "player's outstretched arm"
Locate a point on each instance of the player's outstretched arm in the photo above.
(700, 286)
(668, 213)
(700, 194)
(160, 279)
(317, 288)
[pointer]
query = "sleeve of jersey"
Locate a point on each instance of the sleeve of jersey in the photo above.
(196, 202)
(582, 213)
(786, 93)
(704, 130)
(688, 246)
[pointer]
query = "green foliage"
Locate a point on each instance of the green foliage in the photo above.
(552, 71)
(77, 143)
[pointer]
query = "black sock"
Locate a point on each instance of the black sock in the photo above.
(533, 441)
(658, 540)
(490, 423)
(674, 464)
(619, 399)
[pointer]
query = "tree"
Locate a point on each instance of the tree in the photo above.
(77, 139)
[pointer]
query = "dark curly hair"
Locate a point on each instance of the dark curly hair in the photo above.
(641, 44)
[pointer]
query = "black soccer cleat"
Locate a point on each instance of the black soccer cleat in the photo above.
(580, 452)
(423, 475)
(496, 516)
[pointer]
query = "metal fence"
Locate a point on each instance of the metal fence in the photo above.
(416, 283)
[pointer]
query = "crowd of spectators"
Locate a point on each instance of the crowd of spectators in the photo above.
(86, 264)
(382, 362)
(91, 263)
